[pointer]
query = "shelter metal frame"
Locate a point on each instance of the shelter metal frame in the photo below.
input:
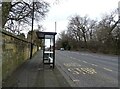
(48, 55)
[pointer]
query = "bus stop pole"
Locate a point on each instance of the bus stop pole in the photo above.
(54, 51)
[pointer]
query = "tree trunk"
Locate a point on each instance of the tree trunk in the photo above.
(6, 6)
(85, 40)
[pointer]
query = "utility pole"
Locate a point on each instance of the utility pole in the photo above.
(55, 26)
(118, 39)
(31, 49)
(119, 10)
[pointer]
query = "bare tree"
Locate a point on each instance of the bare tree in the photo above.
(91, 28)
(22, 11)
(104, 32)
(79, 26)
(102, 36)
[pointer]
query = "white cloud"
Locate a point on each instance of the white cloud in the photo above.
(65, 8)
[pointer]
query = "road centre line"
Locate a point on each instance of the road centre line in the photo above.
(94, 65)
(74, 58)
(89, 63)
(84, 61)
(107, 69)
(69, 70)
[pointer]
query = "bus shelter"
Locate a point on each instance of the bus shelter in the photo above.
(48, 40)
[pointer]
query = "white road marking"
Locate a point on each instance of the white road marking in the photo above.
(69, 70)
(78, 65)
(76, 80)
(107, 69)
(94, 65)
(74, 58)
(82, 54)
(85, 54)
(71, 64)
(84, 61)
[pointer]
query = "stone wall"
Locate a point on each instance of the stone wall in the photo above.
(15, 51)
(0, 60)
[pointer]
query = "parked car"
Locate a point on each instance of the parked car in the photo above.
(62, 49)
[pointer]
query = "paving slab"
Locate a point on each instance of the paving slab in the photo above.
(33, 73)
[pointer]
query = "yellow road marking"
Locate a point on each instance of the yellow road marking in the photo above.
(78, 69)
(76, 72)
(82, 70)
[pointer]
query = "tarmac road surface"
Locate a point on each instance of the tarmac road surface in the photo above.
(84, 69)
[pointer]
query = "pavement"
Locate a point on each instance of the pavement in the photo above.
(32, 74)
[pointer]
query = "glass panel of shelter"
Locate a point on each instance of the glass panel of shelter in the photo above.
(48, 49)
(48, 46)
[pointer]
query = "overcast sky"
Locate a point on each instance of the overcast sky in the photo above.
(62, 10)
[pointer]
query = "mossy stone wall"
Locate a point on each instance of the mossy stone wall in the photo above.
(14, 53)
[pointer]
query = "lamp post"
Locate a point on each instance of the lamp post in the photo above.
(31, 50)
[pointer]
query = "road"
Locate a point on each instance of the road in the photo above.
(84, 69)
